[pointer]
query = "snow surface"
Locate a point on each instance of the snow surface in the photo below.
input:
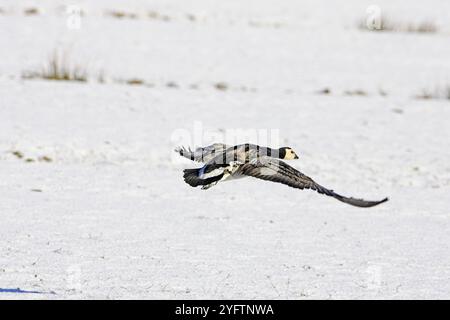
(108, 214)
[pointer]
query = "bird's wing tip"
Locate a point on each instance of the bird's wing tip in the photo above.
(376, 203)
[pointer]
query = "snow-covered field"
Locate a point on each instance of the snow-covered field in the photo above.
(93, 204)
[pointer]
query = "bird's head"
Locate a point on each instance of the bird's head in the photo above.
(287, 153)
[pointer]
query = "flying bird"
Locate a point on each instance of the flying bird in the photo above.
(223, 163)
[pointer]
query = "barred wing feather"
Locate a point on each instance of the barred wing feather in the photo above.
(204, 154)
(280, 172)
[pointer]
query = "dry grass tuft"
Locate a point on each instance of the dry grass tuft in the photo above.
(222, 86)
(382, 92)
(172, 85)
(438, 93)
(135, 82)
(31, 11)
(388, 24)
(18, 154)
(157, 16)
(21, 156)
(325, 91)
(58, 69)
(357, 92)
(122, 14)
(191, 17)
(45, 159)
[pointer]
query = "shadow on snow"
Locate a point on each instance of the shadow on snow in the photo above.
(18, 290)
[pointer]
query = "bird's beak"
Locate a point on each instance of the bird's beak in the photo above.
(296, 157)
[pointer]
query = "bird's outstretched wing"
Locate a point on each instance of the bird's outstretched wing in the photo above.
(202, 154)
(278, 171)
